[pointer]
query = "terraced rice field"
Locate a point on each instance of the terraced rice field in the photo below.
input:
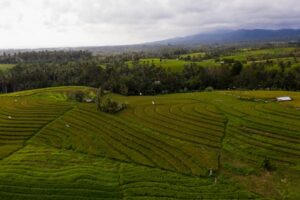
(184, 146)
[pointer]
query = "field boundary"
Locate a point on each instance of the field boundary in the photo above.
(221, 146)
(38, 131)
(51, 122)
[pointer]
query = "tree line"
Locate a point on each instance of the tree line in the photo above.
(43, 56)
(148, 79)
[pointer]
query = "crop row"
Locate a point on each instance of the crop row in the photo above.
(85, 177)
(20, 119)
(120, 139)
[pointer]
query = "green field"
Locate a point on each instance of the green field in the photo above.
(208, 145)
(243, 54)
(176, 65)
(197, 55)
(172, 64)
(246, 56)
(4, 67)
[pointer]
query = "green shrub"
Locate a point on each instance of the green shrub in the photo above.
(77, 96)
(110, 106)
(209, 89)
(106, 104)
(266, 164)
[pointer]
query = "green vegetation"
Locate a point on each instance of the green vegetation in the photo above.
(172, 64)
(246, 56)
(191, 55)
(5, 67)
(175, 65)
(270, 67)
(107, 104)
(210, 145)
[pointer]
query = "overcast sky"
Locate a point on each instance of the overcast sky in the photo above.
(57, 23)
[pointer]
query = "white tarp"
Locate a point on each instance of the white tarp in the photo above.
(284, 99)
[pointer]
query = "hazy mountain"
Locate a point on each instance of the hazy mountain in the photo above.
(237, 36)
(217, 37)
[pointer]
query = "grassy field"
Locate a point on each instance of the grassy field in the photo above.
(172, 64)
(176, 65)
(196, 55)
(243, 54)
(209, 145)
(246, 56)
(4, 67)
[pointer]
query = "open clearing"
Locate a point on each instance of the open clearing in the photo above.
(185, 146)
(4, 67)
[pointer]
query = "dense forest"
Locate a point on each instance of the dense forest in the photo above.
(112, 72)
(43, 56)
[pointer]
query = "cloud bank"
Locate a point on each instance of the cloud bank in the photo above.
(54, 23)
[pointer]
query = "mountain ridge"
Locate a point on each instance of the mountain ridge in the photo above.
(238, 36)
(235, 36)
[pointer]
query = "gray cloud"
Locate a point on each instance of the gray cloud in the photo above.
(132, 21)
(4, 3)
(189, 15)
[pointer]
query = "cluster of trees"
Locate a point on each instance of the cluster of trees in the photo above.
(107, 104)
(149, 79)
(259, 75)
(44, 56)
(81, 68)
(39, 75)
